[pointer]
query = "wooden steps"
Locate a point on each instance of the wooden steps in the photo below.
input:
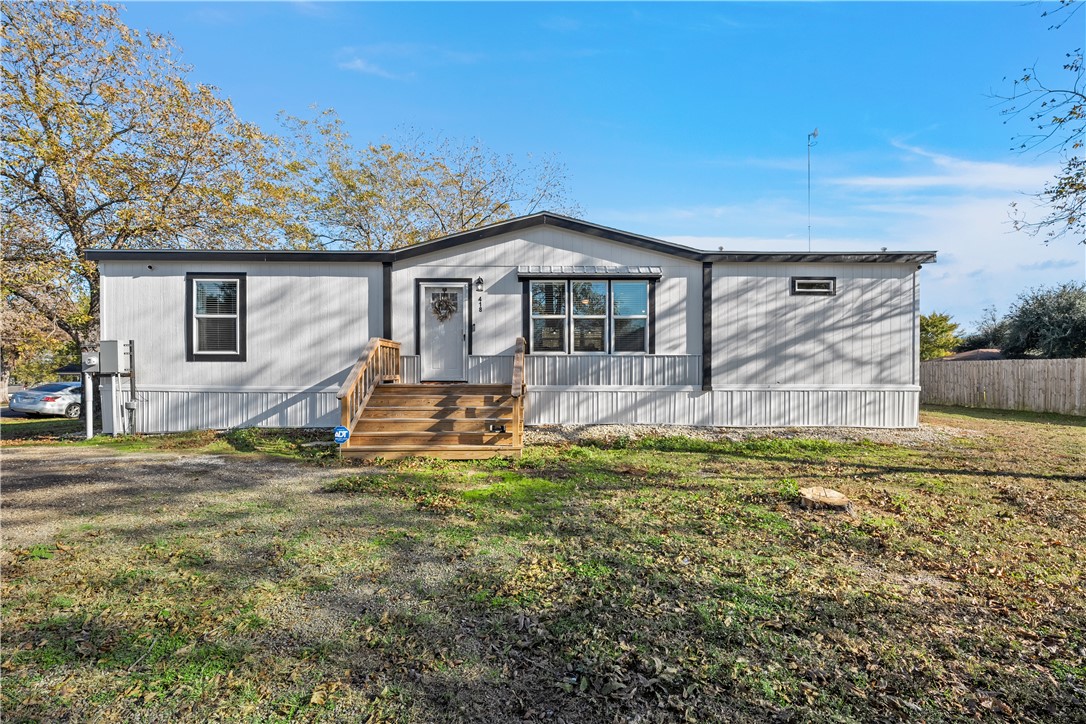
(452, 421)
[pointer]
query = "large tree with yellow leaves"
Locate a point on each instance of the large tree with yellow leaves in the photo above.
(106, 144)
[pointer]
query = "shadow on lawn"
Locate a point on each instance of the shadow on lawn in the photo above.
(819, 452)
(20, 428)
(453, 639)
(981, 413)
(511, 590)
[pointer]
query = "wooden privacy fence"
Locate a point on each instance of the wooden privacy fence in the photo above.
(1043, 385)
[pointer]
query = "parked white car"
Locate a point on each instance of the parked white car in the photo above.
(56, 398)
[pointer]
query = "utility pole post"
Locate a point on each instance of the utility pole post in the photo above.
(810, 142)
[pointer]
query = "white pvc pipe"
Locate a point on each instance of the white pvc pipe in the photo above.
(88, 403)
(113, 404)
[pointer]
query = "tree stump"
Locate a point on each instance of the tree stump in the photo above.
(818, 497)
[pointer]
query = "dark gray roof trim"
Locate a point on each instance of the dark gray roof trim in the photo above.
(830, 257)
(504, 227)
(546, 218)
(582, 270)
(234, 255)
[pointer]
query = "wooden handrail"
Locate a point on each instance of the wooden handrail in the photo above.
(520, 348)
(379, 361)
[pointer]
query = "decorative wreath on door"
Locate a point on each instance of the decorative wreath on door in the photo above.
(443, 306)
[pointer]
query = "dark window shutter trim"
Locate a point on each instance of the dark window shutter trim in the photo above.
(652, 316)
(386, 299)
(190, 297)
(707, 325)
(526, 315)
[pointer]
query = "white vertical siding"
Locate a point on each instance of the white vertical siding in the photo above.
(764, 335)
(613, 370)
(778, 359)
(678, 293)
(306, 323)
(410, 369)
(490, 370)
(572, 370)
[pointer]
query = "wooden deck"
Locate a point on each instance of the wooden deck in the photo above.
(459, 421)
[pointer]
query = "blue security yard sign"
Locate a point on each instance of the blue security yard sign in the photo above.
(341, 435)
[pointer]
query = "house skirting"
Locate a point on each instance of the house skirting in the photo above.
(177, 409)
(731, 407)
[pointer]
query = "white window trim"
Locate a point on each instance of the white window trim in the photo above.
(196, 316)
(564, 317)
(605, 317)
(614, 317)
(569, 318)
(819, 286)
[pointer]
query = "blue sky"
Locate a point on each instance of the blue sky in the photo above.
(689, 122)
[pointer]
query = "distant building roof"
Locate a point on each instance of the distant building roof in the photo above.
(973, 355)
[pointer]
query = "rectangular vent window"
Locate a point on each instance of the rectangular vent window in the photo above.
(824, 286)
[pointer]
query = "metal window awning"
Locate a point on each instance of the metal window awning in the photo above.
(588, 271)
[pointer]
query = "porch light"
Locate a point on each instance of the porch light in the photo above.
(479, 284)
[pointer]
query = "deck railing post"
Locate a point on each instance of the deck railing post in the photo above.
(370, 370)
(520, 348)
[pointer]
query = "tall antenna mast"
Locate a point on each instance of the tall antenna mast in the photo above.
(810, 142)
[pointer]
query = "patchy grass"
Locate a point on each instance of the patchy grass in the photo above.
(660, 579)
(38, 430)
(294, 443)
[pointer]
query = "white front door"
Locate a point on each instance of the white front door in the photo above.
(443, 331)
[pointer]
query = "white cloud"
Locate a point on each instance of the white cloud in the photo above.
(1052, 264)
(312, 9)
(948, 172)
(959, 208)
(360, 65)
(419, 52)
(214, 15)
(561, 24)
(361, 59)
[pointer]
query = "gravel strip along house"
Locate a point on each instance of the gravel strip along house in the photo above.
(452, 346)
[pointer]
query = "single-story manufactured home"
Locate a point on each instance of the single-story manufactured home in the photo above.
(578, 322)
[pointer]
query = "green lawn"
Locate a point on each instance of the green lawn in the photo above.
(662, 579)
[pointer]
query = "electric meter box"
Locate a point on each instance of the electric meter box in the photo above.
(90, 362)
(111, 358)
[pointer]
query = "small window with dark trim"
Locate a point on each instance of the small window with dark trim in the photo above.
(216, 317)
(817, 286)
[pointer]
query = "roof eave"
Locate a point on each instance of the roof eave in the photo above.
(249, 255)
(544, 218)
(831, 257)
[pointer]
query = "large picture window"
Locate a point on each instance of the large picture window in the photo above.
(216, 317)
(589, 316)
